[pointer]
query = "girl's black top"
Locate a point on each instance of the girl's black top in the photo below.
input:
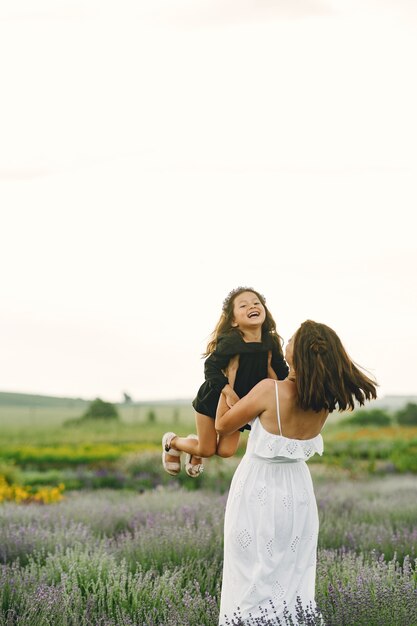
(253, 367)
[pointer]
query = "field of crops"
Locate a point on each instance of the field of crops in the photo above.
(113, 558)
(119, 542)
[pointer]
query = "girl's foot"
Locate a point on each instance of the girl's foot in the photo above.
(171, 459)
(193, 464)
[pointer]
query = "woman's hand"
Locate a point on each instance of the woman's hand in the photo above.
(231, 396)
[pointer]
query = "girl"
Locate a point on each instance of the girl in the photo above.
(246, 328)
(271, 521)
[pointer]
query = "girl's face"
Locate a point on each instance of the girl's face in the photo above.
(248, 311)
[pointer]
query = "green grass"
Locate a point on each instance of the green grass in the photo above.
(44, 435)
(45, 425)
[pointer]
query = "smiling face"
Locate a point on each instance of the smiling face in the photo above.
(248, 311)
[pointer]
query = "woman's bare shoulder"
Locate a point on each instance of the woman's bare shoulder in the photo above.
(266, 384)
(263, 390)
(287, 388)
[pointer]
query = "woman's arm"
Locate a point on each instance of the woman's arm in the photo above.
(250, 406)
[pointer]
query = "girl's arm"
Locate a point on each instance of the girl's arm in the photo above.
(271, 371)
(228, 392)
(213, 371)
(217, 362)
(279, 365)
(250, 406)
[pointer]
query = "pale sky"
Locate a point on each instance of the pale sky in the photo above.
(155, 155)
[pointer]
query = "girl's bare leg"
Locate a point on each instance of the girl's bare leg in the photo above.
(228, 444)
(206, 444)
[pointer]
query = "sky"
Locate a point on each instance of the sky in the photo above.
(156, 155)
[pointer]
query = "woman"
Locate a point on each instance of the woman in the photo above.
(271, 521)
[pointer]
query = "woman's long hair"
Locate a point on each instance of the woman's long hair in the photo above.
(326, 377)
(224, 325)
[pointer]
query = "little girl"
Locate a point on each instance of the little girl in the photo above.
(246, 328)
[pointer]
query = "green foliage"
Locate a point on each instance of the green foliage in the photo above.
(371, 417)
(44, 457)
(99, 409)
(404, 458)
(151, 416)
(408, 415)
(10, 472)
(90, 453)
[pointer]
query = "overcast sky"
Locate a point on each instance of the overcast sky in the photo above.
(155, 155)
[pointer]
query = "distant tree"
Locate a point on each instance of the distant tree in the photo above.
(151, 415)
(126, 398)
(370, 417)
(408, 415)
(98, 409)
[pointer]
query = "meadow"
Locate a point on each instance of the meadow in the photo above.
(126, 544)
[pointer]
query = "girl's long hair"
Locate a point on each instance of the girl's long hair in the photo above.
(326, 377)
(224, 325)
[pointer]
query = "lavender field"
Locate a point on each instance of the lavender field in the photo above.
(107, 558)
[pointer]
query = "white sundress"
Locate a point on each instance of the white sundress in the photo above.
(271, 527)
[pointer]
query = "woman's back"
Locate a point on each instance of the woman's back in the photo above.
(295, 423)
(269, 438)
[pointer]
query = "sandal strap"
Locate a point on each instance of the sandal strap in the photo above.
(172, 466)
(168, 437)
(195, 470)
(172, 452)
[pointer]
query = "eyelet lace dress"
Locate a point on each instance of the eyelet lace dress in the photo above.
(271, 527)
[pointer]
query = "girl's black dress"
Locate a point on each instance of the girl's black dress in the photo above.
(253, 367)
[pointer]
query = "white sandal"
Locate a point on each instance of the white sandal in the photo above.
(192, 470)
(171, 467)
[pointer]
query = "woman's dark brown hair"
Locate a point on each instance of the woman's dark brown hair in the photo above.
(224, 325)
(326, 377)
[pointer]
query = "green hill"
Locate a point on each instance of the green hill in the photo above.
(27, 399)
(390, 403)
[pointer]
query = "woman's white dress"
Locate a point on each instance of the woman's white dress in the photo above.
(271, 527)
